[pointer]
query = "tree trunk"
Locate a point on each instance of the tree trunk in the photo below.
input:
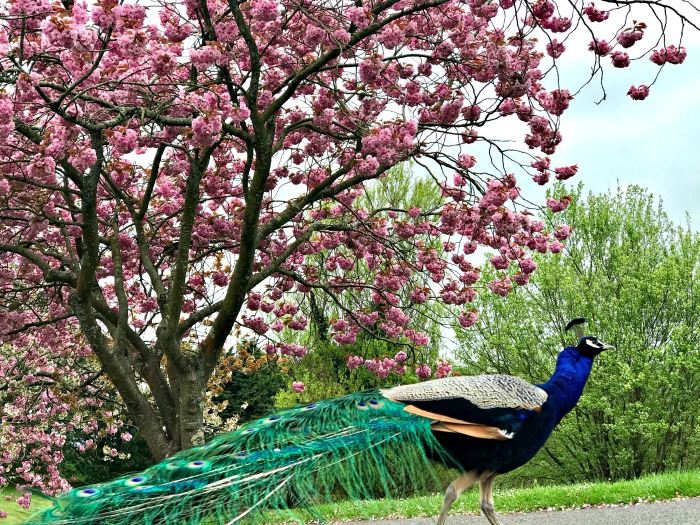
(192, 403)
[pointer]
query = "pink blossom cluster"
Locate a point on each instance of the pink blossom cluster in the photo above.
(600, 47)
(206, 130)
(670, 54)
(555, 49)
(542, 166)
(630, 37)
(557, 24)
(382, 367)
(443, 369)
(459, 292)
(556, 101)
(558, 205)
(501, 287)
(561, 233)
(638, 93)
(565, 172)
(71, 34)
(265, 10)
(595, 15)
(542, 135)
(206, 56)
(124, 141)
(354, 362)
(620, 59)
(423, 372)
(6, 112)
(391, 143)
(543, 12)
(528, 266)
(468, 318)
(174, 29)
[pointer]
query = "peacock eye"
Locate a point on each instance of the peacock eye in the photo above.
(198, 464)
(135, 481)
(88, 493)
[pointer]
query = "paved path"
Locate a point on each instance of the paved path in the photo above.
(684, 512)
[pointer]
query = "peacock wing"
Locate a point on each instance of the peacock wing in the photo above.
(486, 406)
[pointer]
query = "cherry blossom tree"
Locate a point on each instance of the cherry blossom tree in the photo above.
(167, 167)
(45, 393)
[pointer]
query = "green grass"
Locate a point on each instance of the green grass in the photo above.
(649, 488)
(16, 513)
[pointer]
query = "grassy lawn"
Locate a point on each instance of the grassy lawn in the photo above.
(16, 513)
(649, 488)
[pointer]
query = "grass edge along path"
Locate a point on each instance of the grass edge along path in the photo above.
(650, 488)
(655, 487)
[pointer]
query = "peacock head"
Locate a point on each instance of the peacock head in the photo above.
(590, 346)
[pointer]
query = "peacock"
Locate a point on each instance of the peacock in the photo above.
(391, 437)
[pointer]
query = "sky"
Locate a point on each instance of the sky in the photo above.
(653, 143)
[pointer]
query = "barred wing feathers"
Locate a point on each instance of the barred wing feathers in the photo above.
(292, 459)
(485, 407)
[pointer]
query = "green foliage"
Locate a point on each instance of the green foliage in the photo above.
(636, 277)
(251, 395)
(325, 374)
(401, 189)
(94, 466)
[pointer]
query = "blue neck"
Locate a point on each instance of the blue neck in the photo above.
(565, 386)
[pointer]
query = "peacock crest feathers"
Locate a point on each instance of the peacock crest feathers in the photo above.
(292, 459)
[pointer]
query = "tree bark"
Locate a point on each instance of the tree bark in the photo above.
(192, 403)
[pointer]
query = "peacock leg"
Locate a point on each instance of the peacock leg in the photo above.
(486, 494)
(462, 483)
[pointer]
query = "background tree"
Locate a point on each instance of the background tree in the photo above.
(166, 169)
(327, 370)
(634, 275)
(52, 400)
(249, 389)
(105, 457)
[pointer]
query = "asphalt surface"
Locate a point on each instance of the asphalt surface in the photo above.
(683, 512)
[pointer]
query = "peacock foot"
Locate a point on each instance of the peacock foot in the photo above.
(490, 513)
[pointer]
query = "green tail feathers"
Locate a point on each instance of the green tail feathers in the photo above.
(293, 459)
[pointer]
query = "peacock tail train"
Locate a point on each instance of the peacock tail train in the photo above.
(295, 458)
